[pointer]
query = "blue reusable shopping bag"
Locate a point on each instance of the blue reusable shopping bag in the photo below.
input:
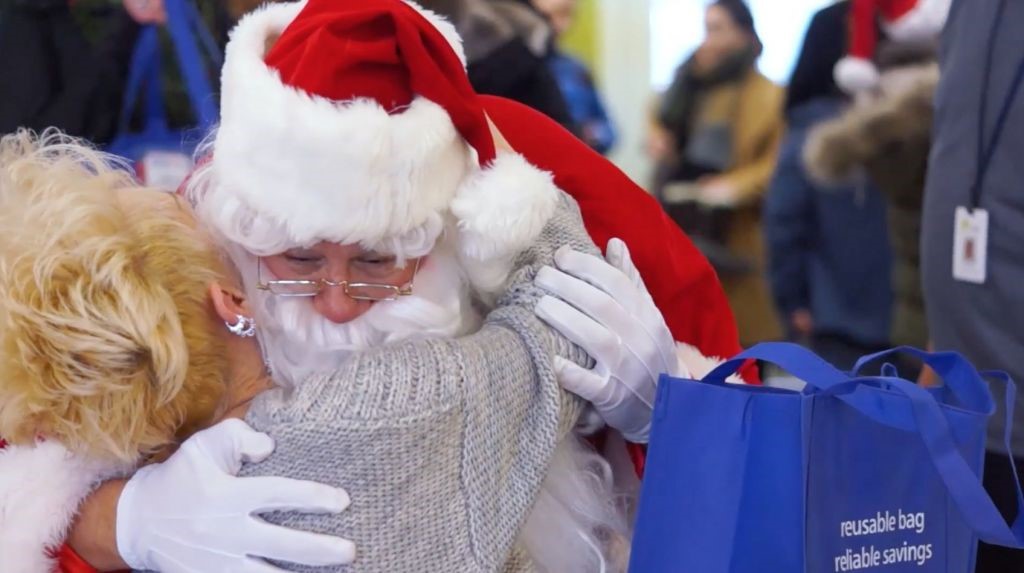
(162, 157)
(852, 474)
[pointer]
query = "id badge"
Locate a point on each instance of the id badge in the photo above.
(970, 245)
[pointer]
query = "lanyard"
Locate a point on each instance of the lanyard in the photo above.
(985, 153)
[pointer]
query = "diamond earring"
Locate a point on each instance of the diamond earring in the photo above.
(245, 327)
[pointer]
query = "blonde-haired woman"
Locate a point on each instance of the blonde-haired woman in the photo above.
(112, 343)
(102, 294)
(105, 287)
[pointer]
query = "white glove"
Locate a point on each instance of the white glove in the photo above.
(604, 307)
(192, 514)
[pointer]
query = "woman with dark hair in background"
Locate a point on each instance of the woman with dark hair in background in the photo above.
(715, 139)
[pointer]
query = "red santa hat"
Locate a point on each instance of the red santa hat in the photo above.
(901, 20)
(359, 125)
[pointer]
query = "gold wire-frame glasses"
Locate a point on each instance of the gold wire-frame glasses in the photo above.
(374, 292)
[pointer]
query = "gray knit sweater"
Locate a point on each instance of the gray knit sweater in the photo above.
(442, 444)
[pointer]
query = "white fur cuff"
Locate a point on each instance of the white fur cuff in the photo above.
(40, 490)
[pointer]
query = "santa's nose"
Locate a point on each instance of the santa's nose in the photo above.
(333, 304)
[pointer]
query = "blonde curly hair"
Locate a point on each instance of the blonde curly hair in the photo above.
(108, 341)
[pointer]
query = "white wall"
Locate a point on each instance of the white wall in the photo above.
(624, 78)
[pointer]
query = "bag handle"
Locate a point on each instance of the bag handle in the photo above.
(925, 418)
(956, 372)
(145, 58)
(963, 485)
(793, 358)
(208, 42)
(1011, 402)
(819, 376)
(181, 21)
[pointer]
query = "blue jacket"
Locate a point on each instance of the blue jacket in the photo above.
(828, 249)
(585, 107)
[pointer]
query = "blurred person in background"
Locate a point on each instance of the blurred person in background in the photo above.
(976, 308)
(574, 79)
(507, 44)
(887, 135)
(828, 251)
(65, 63)
(715, 140)
(60, 71)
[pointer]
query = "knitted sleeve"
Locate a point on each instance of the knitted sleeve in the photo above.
(441, 444)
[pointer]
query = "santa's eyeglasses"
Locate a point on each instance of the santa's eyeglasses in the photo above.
(374, 292)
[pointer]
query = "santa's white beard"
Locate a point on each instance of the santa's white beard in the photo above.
(299, 342)
(577, 524)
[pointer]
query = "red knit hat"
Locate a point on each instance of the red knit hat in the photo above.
(360, 125)
(902, 21)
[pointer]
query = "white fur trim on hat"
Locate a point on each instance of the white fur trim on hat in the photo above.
(353, 172)
(923, 22)
(500, 211)
(855, 75)
(41, 488)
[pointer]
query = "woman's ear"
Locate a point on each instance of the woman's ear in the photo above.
(229, 302)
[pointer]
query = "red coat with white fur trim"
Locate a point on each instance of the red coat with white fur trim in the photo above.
(41, 488)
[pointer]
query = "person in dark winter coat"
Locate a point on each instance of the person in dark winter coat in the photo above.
(828, 255)
(53, 76)
(888, 137)
(65, 63)
(507, 44)
(824, 45)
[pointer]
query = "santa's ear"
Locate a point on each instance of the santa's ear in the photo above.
(229, 302)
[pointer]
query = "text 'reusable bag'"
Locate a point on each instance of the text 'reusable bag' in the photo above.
(854, 473)
(162, 156)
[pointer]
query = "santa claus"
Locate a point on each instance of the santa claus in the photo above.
(393, 216)
(366, 237)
